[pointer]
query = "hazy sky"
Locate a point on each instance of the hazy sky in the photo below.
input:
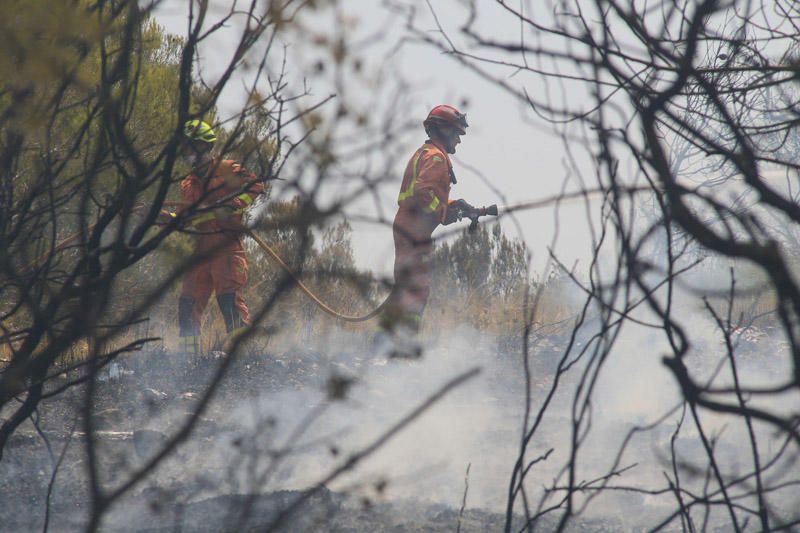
(505, 141)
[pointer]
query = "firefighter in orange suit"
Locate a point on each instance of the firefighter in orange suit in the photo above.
(220, 191)
(423, 204)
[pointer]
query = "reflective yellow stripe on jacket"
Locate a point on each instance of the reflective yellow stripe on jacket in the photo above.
(205, 217)
(246, 198)
(248, 201)
(409, 192)
(433, 205)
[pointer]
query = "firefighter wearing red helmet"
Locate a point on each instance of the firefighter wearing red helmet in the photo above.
(423, 204)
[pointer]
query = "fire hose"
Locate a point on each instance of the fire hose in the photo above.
(322, 305)
(472, 213)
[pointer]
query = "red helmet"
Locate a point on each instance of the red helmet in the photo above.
(449, 115)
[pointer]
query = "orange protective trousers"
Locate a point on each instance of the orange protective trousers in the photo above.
(224, 273)
(412, 267)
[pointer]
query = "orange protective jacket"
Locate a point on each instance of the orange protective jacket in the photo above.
(222, 179)
(426, 182)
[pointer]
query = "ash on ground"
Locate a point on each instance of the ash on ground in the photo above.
(277, 425)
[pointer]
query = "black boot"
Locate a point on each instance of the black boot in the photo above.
(234, 324)
(189, 336)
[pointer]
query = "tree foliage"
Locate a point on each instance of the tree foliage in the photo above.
(481, 277)
(92, 103)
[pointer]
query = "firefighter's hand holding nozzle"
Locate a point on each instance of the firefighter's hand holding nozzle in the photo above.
(478, 212)
(456, 210)
(459, 209)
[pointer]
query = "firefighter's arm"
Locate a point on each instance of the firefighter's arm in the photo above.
(239, 178)
(190, 194)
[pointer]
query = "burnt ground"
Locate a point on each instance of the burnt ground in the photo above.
(129, 414)
(148, 396)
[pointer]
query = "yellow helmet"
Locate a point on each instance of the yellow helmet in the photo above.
(197, 130)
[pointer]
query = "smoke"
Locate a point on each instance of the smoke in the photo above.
(480, 423)
(428, 459)
(273, 431)
(635, 389)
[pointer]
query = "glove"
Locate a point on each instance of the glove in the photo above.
(456, 210)
(165, 217)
